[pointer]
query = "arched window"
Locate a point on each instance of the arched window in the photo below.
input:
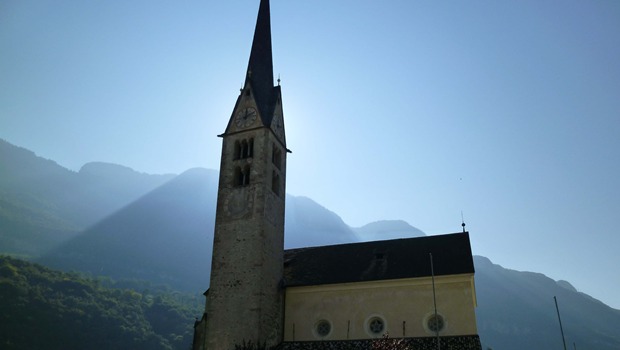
(241, 176)
(237, 150)
(275, 183)
(238, 177)
(276, 156)
(244, 149)
(251, 148)
(246, 175)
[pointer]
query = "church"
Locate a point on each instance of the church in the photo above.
(417, 291)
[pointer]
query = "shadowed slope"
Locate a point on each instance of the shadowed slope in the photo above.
(164, 237)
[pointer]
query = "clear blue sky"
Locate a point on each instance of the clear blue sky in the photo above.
(417, 110)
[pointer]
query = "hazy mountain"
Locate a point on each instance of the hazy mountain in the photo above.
(104, 188)
(167, 236)
(307, 224)
(164, 234)
(516, 311)
(387, 229)
(78, 198)
(43, 204)
(31, 194)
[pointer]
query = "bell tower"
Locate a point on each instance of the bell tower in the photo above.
(244, 301)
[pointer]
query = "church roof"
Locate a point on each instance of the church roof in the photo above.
(379, 260)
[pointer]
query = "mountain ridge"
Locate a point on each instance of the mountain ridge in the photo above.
(50, 203)
(164, 234)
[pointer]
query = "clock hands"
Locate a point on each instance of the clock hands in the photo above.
(246, 117)
(249, 113)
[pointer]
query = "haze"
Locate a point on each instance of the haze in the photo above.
(507, 112)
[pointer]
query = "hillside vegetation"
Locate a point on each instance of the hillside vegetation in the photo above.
(46, 309)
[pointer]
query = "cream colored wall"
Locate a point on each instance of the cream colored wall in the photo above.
(349, 306)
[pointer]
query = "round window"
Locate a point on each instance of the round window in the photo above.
(376, 325)
(435, 323)
(323, 328)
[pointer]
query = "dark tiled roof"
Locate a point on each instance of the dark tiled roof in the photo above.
(379, 260)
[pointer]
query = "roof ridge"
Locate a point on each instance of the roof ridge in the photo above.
(375, 241)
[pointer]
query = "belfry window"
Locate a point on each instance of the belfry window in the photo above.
(276, 156)
(275, 182)
(244, 149)
(251, 148)
(237, 150)
(242, 176)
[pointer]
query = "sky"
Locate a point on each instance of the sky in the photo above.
(503, 113)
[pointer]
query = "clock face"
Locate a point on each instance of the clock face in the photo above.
(246, 117)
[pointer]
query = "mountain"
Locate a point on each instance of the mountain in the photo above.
(163, 236)
(163, 233)
(43, 204)
(104, 188)
(516, 310)
(166, 236)
(31, 192)
(387, 229)
(308, 224)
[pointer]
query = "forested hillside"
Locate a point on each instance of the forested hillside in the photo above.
(46, 309)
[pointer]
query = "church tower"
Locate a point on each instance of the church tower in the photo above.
(244, 301)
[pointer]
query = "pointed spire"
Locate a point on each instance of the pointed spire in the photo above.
(260, 68)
